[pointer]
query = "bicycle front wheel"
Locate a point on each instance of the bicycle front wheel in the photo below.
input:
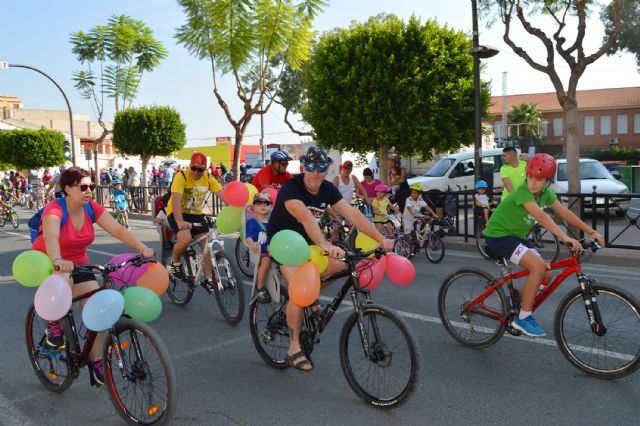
(143, 391)
(229, 289)
(615, 350)
(476, 326)
(50, 365)
(402, 248)
(269, 332)
(434, 248)
(15, 220)
(243, 258)
(379, 357)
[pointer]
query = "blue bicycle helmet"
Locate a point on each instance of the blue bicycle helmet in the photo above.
(481, 184)
(117, 182)
(280, 156)
(29, 186)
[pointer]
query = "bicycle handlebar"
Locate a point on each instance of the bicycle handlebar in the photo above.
(587, 244)
(109, 267)
(357, 255)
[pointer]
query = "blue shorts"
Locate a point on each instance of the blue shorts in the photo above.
(512, 248)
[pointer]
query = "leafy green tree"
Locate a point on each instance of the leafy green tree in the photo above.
(32, 149)
(114, 56)
(564, 13)
(251, 40)
(526, 119)
(389, 84)
(629, 38)
(147, 132)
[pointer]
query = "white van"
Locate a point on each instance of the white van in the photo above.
(456, 171)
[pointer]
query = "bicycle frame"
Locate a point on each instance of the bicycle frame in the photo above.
(571, 266)
(212, 238)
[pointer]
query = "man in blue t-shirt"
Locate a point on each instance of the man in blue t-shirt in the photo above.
(300, 204)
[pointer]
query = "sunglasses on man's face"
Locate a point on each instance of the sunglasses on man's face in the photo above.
(312, 167)
(197, 169)
(83, 187)
(262, 203)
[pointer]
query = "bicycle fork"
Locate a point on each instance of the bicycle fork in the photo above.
(589, 296)
(364, 335)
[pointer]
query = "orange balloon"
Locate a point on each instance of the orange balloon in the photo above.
(304, 287)
(155, 278)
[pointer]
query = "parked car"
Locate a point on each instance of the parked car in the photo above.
(614, 169)
(593, 173)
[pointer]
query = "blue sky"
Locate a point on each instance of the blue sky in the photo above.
(36, 33)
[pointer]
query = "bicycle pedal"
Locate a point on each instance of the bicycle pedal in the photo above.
(513, 331)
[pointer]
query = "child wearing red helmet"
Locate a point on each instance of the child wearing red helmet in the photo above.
(512, 221)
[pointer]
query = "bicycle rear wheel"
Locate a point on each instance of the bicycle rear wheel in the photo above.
(180, 291)
(243, 258)
(229, 291)
(479, 326)
(379, 357)
(402, 248)
(144, 390)
(545, 242)
(2, 219)
(269, 332)
(481, 244)
(15, 220)
(50, 365)
(614, 353)
(434, 248)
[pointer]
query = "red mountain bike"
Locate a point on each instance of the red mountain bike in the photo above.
(597, 326)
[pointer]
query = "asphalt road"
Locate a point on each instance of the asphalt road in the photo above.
(222, 380)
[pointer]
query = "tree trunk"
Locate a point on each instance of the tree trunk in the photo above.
(572, 152)
(236, 154)
(382, 165)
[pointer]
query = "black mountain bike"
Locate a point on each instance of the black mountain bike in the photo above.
(377, 348)
(138, 371)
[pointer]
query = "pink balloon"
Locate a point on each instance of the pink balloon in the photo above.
(129, 274)
(236, 194)
(273, 194)
(399, 269)
(370, 272)
(53, 298)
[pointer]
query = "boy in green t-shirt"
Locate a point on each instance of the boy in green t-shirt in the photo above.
(513, 220)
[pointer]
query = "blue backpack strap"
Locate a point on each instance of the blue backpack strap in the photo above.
(63, 205)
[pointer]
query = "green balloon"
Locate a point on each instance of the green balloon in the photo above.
(289, 248)
(141, 304)
(31, 267)
(229, 219)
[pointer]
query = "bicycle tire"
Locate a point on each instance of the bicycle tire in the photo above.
(15, 220)
(434, 248)
(481, 244)
(3, 219)
(139, 371)
(120, 219)
(269, 332)
(179, 291)
(229, 291)
(53, 380)
(402, 248)
(243, 259)
(449, 308)
(586, 341)
(383, 358)
(547, 243)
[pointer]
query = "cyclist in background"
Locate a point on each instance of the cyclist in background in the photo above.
(275, 174)
(512, 221)
(512, 171)
(120, 198)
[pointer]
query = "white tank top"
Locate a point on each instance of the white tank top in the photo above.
(346, 189)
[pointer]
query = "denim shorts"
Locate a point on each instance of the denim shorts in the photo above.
(512, 248)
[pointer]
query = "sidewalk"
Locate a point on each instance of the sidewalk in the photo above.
(606, 256)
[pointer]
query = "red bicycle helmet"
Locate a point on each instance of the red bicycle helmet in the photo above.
(541, 166)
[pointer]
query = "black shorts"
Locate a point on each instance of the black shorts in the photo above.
(191, 218)
(82, 277)
(511, 248)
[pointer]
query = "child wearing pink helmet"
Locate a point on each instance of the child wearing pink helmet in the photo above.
(381, 206)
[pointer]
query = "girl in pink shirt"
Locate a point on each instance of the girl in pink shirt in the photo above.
(67, 245)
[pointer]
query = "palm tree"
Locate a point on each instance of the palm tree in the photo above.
(527, 119)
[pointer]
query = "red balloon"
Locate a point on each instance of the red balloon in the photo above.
(400, 270)
(236, 194)
(304, 287)
(370, 272)
(155, 278)
(273, 193)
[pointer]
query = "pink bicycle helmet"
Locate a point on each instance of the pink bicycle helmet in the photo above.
(381, 187)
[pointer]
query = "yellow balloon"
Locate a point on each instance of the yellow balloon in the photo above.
(252, 192)
(320, 259)
(365, 242)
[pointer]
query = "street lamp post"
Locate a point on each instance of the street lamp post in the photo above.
(478, 52)
(73, 142)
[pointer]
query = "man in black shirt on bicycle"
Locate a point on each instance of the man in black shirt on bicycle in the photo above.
(300, 204)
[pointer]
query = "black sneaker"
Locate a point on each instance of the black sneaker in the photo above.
(55, 335)
(208, 285)
(96, 371)
(263, 296)
(177, 271)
